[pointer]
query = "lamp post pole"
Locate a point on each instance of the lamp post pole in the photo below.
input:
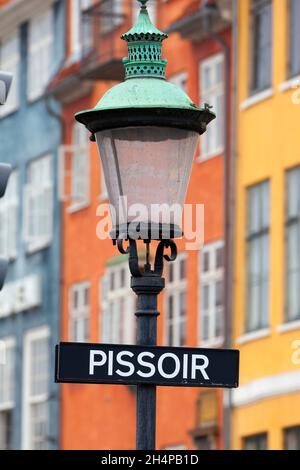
(147, 284)
(147, 290)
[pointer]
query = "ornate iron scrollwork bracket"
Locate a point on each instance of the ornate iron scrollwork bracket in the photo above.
(160, 256)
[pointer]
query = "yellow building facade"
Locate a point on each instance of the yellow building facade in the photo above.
(266, 283)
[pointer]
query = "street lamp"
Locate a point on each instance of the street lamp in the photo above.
(147, 131)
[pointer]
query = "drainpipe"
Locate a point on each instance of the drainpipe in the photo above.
(228, 405)
(212, 10)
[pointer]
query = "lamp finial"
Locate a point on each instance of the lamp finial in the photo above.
(143, 2)
(144, 43)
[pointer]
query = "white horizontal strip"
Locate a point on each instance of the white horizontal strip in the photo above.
(257, 98)
(266, 387)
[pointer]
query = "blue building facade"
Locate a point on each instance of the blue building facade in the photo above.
(33, 48)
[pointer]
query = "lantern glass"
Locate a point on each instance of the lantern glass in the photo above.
(144, 168)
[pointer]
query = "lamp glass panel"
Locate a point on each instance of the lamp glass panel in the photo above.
(146, 170)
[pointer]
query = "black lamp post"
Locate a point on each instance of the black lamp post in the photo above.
(147, 131)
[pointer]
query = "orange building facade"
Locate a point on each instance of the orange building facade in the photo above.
(97, 303)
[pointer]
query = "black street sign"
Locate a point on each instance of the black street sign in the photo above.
(122, 364)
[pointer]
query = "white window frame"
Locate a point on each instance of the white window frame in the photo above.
(258, 244)
(32, 191)
(74, 170)
(81, 314)
(115, 329)
(41, 333)
(180, 79)
(41, 48)
(77, 28)
(175, 289)
(9, 206)
(8, 404)
(209, 279)
(11, 64)
(211, 95)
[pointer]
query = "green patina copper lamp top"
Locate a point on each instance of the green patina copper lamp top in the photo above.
(145, 87)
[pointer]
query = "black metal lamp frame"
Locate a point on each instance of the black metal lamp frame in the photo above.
(147, 283)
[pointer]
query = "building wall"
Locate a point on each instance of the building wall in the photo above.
(267, 147)
(104, 412)
(26, 134)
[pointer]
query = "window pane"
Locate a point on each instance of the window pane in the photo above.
(293, 193)
(220, 257)
(253, 285)
(117, 306)
(39, 426)
(293, 270)
(219, 293)
(292, 438)
(294, 36)
(205, 297)
(205, 264)
(7, 375)
(261, 31)
(40, 54)
(256, 442)
(39, 367)
(6, 430)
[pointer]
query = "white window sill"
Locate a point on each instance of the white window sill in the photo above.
(7, 112)
(35, 97)
(7, 406)
(289, 84)
(213, 343)
(78, 207)
(257, 98)
(289, 326)
(253, 336)
(38, 245)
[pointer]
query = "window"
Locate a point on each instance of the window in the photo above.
(40, 57)
(255, 442)
(117, 306)
(180, 80)
(292, 229)
(7, 392)
(81, 28)
(38, 197)
(79, 308)
(9, 219)
(111, 15)
(35, 435)
(292, 438)
(211, 294)
(80, 167)
(258, 257)
(212, 92)
(175, 302)
(74, 170)
(10, 62)
(294, 38)
(261, 53)
(205, 442)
